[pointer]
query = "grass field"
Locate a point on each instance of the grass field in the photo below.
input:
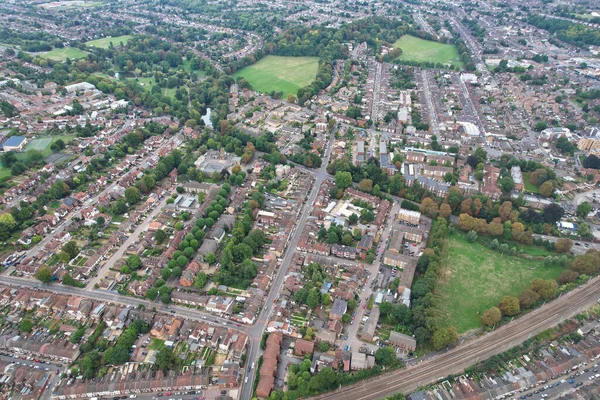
(529, 187)
(105, 42)
(146, 83)
(70, 4)
(475, 278)
(416, 49)
(43, 144)
(62, 54)
(282, 74)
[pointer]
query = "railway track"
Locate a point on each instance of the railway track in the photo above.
(456, 359)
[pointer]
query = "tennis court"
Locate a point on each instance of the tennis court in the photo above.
(39, 144)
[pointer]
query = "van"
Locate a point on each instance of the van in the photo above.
(246, 380)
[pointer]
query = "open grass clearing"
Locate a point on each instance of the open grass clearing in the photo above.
(43, 144)
(474, 278)
(156, 344)
(104, 43)
(529, 187)
(64, 53)
(70, 4)
(416, 49)
(280, 74)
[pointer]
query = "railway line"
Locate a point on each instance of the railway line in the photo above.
(456, 359)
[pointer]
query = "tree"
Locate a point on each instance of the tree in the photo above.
(159, 236)
(472, 236)
(119, 207)
(347, 239)
(491, 316)
(200, 280)
(547, 188)
(568, 276)
(332, 237)
(429, 207)
(71, 249)
(540, 126)
(313, 298)
(8, 158)
(152, 293)
(546, 288)
(353, 219)
(366, 185)
(509, 305)
(210, 258)
(17, 169)
(584, 209)
(132, 195)
(26, 325)
(443, 337)
(445, 210)
(385, 356)
(300, 296)
(343, 179)
(134, 262)
(527, 298)
(323, 347)
(563, 245)
(553, 213)
(506, 184)
(592, 161)
(587, 263)
(165, 360)
(44, 275)
(63, 256)
(34, 156)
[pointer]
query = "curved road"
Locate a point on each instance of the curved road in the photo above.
(456, 359)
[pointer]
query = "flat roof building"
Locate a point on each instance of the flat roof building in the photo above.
(14, 143)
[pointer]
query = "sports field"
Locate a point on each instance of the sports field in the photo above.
(281, 74)
(39, 144)
(475, 278)
(416, 49)
(62, 54)
(105, 42)
(70, 4)
(43, 144)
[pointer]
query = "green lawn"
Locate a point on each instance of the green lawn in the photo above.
(43, 144)
(416, 49)
(146, 83)
(156, 344)
(529, 187)
(64, 53)
(105, 42)
(71, 4)
(282, 74)
(475, 278)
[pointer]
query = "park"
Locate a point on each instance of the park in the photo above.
(280, 74)
(416, 49)
(104, 43)
(474, 278)
(64, 53)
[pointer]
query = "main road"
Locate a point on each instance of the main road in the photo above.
(259, 328)
(456, 359)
